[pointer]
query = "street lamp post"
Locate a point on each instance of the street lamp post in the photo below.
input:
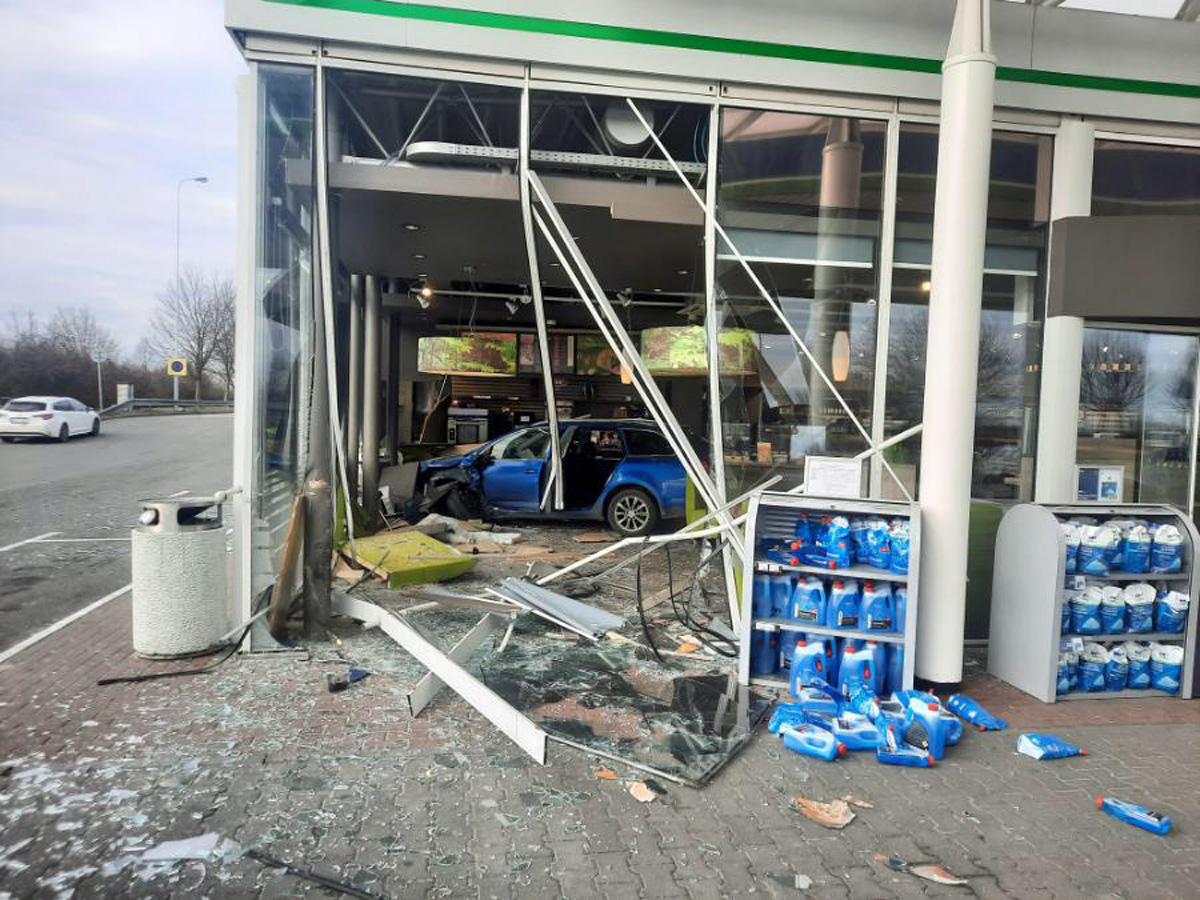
(99, 382)
(199, 179)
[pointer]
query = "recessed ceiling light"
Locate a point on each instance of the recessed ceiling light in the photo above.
(658, 290)
(422, 274)
(418, 256)
(411, 226)
(681, 271)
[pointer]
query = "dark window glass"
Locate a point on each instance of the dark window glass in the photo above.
(63, 406)
(647, 443)
(24, 406)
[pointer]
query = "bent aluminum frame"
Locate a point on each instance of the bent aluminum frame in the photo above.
(447, 670)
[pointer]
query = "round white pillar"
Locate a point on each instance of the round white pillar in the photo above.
(959, 233)
(1062, 336)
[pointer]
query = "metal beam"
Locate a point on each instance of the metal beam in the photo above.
(555, 482)
(1189, 11)
(427, 688)
(519, 728)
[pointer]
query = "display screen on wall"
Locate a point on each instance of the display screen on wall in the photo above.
(679, 350)
(471, 354)
(562, 354)
(593, 356)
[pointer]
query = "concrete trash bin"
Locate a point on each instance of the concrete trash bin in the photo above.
(179, 578)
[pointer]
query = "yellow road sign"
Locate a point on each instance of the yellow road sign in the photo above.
(177, 367)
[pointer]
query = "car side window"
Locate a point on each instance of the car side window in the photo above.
(608, 443)
(647, 443)
(529, 444)
(63, 406)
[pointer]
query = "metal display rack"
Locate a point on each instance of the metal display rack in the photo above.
(1028, 589)
(773, 515)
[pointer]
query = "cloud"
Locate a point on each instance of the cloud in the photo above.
(106, 106)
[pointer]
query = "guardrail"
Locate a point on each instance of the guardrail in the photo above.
(118, 409)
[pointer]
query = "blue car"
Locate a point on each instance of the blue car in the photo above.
(621, 471)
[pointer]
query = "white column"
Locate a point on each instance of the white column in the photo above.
(1062, 337)
(959, 230)
(354, 391)
(370, 400)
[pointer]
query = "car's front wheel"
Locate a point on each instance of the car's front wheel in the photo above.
(64, 434)
(96, 427)
(632, 512)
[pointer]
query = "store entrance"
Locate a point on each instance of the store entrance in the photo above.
(1137, 416)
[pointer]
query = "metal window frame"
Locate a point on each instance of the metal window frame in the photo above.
(245, 407)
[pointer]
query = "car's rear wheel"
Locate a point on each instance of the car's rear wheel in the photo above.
(64, 434)
(632, 512)
(96, 427)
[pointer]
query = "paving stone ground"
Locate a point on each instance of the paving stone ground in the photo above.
(443, 806)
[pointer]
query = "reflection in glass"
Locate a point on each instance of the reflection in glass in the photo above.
(1136, 408)
(1131, 179)
(799, 196)
(1010, 322)
(283, 301)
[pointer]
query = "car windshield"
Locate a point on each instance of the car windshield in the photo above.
(24, 406)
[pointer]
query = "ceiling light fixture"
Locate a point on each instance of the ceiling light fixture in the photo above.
(418, 256)
(410, 226)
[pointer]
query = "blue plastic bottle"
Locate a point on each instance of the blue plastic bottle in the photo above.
(934, 724)
(808, 662)
(810, 740)
(857, 732)
(856, 668)
(900, 602)
(781, 596)
(878, 666)
(877, 611)
(844, 605)
(894, 680)
(808, 602)
(894, 752)
(760, 597)
(1135, 815)
(764, 652)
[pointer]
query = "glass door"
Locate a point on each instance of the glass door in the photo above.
(1137, 409)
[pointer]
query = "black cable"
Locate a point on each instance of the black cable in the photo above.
(688, 620)
(178, 673)
(637, 583)
(309, 875)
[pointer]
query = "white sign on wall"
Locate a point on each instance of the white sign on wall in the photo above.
(833, 476)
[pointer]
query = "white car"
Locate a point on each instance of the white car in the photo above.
(60, 418)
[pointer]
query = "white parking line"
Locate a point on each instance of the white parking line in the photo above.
(61, 623)
(80, 540)
(32, 540)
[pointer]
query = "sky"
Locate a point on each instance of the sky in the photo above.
(106, 105)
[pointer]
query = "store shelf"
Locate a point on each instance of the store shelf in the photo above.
(1159, 636)
(772, 517)
(1136, 576)
(1144, 694)
(1026, 636)
(861, 573)
(880, 637)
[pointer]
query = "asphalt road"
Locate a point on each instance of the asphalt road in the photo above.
(88, 491)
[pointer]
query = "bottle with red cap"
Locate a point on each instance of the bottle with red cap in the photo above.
(810, 740)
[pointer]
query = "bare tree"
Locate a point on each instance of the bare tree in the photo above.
(225, 299)
(187, 321)
(75, 331)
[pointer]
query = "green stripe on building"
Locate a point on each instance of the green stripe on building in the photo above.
(709, 43)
